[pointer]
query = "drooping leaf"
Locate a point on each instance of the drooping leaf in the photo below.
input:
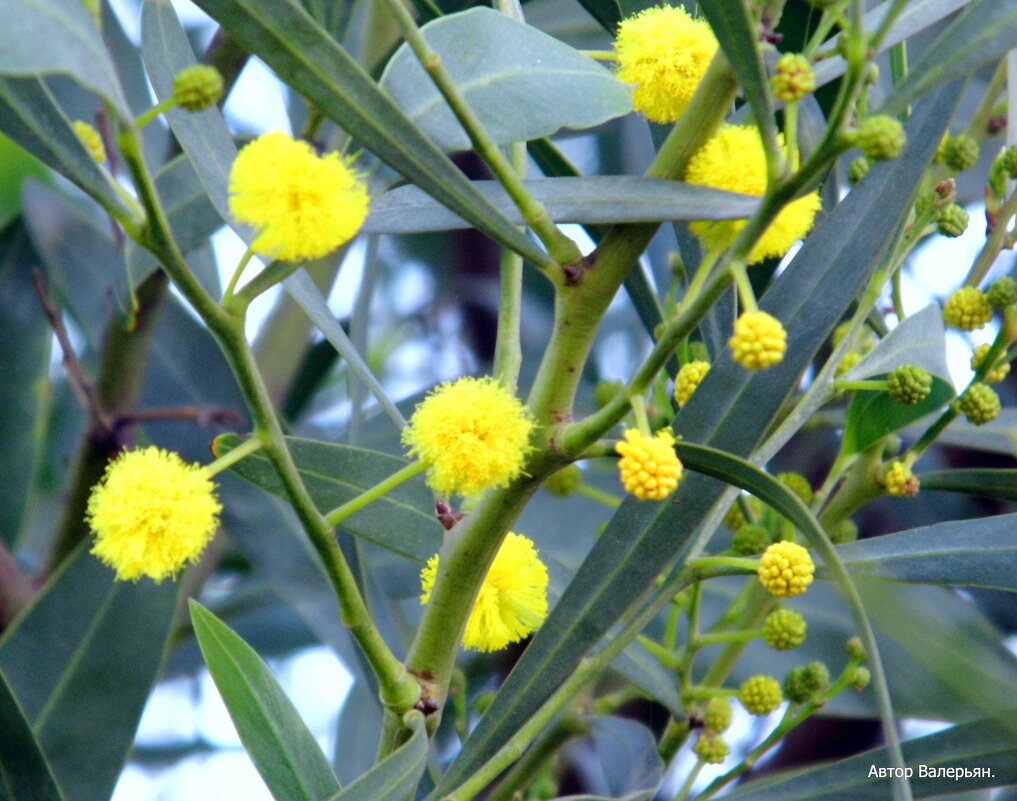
(521, 83)
(43, 37)
(281, 746)
(400, 521)
(873, 415)
(303, 55)
(589, 200)
(24, 773)
(81, 661)
(395, 777)
(999, 483)
(919, 340)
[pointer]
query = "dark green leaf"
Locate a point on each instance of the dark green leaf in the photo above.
(986, 748)
(281, 746)
(81, 661)
(978, 553)
(730, 411)
(395, 777)
(919, 340)
(25, 338)
(606, 12)
(502, 66)
(873, 415)
(1000, 483)
(24, 773)
(401, 520)
(303, 55)
(42, 37)
(596, 199)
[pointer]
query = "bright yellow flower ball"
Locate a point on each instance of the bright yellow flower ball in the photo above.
(758, 341)
(152, 514)
(665, 53)
(733, 159)
(786, 569)
(472, 434)
(302, 205)
(513, 598)
(688, 378)
(91, 139)
(650, 469)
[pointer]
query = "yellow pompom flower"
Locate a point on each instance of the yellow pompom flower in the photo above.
(688, 378)
(513, 598)
(649, 467)
(90, 138)
(786, 569)
(900, 481)
(665, 53)
(302, 205)
(152, 513)
(733, 159)
(472, 434)
(758, 340)
(967, 309)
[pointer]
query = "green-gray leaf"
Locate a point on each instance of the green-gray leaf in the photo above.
(395, 777)
(279, 743)
(43, 37)
(999, 483)
(24, 773)
(589, 200)
(873, 415)
(400, 521)
(521, 83)
(919, 340)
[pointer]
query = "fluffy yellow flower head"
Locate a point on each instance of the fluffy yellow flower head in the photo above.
(513, 598)
(758, 341)
(302, 205)
(152, 513)
(733, 159)
(665, 53)
(472, 434)
(649, 467)
(786, 569)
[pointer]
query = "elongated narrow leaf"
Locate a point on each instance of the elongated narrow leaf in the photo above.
(24, 773)
(919, 340)
(282, 34)
(42, 37)
(977, 553)
(971, 756)
(732, 414)
(281, 746)
(499, 65)
(606, 12)
(982, 33)
(395, 777)
(1000, 483)
(599, 199)
(401, 520)
(31, 116)
(81, 662)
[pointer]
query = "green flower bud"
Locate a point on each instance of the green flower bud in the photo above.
(803, 683)
(880, 137)
(717, 716)
(760, 695)
(784, 629)
(855, 650)
(951, 220)
(1009, 161)
(909, 384)
(857, 169)
(750, 539)
(991, 376)
(960, 153)
(859, 678)
(1003, 291)
(798, 484)
(734, 518)
(793, 79)
(197, 87)
(844, 531)
(604, 392)
(565, 481)
(979, 403)
(967, 309)
(711, 748)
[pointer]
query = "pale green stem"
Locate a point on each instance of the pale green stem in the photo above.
(237, 272)
(508, 355)
(606, 498)
(600, 55)
(741, 280)
(993, 245)
(340, 513)
(147, 116)
(227, 460)
(683, 793)
(872, 384)
(721, 637)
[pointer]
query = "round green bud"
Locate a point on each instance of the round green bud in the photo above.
(565, 481)
(844, 531)
(859, 678)
(993, 376)
(959, 153)
(855, 650)
(980, 403)
(711, 748)
(850, 359)
(793, 78)
(952, 220)
(604, 392)
(197, 87)
(750, 539)
(1009, 161)
(857, 169)
(760, 695)
(717, 717)
(1003, 291)
(734, 518)
(798, 484)
(784, 629)
(802, 683)
(880, 137)
(909, 384)
(967, 309)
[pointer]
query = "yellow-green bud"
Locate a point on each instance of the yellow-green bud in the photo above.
(604, 392)
(794, 78)
(1009, 161)
(750, 540)
(880, 137)
(909, 384)
(711, 748)
(565, 481)
(857, 169)
(979, 403)
(689, 377)
(993, 376)
(859, 677)
(844, 531)
(1003, 291)
(734, 518)
(717, 717)
(90, 138)
(951, 220)
(851, 358)
(900, 481)
(760, 695)
(855, 650)
(784, 629)
(803, 683)
(482, 702)
(197, 87)
(798, 484)
(959, 152)
(967, 309)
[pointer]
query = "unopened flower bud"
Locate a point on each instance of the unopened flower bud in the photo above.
(909, 384)
(565, 481)
(1002, 292)
(979, 404)
(952, 220)
(197, 87)
(880, 137)
(960, 153)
